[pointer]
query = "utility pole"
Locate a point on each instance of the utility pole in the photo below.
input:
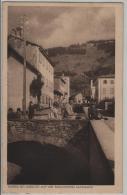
(24, 66)
(22, 36)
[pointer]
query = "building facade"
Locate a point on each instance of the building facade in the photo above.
(105, 87)
(47, 71)
(38, 57)
(67, 87)
(78, 98)
(92, 90)
(62, 88)
(59, 88)
(15, 80)
(40, 60)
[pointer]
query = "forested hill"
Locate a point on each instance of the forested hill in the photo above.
(93, 58)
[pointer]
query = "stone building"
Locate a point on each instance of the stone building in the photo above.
(105, 87)
(59, 88)
(77, 98)
(62, 88)
(92, 90)
(15, 80)
(39, 59)
(67, 87)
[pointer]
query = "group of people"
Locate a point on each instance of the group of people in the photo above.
(57, 111)
(19, 113)
(62, 110)
(14, 115)
(93, 112)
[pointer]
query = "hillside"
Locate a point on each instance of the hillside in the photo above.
(91, 59)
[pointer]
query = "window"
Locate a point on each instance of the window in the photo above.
(105, 81)
(112, 81)
(104, 91)
(112, 91)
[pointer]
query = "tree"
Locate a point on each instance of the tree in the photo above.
(36, 86)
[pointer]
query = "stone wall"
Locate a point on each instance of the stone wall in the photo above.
(54, 132)
(75, 136)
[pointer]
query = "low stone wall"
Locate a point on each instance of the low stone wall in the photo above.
(56, 132)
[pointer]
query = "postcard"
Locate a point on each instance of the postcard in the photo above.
(62, 96)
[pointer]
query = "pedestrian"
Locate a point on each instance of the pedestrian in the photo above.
(68, 111)
(55, 110)
(18, 113)
(92, 111)
(11, 114)
(31, 110)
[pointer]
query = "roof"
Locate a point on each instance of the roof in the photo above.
(34, 44)
(107, 76)
(18, 57)
(60, 77)
(42, 51)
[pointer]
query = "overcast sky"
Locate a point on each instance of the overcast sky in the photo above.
(63, 26)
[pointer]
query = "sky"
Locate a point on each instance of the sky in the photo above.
(62, 26)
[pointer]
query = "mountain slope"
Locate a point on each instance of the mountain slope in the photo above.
(93, 57)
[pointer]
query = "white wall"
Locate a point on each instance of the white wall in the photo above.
(15, 84)
(47, 72)
(106, 90)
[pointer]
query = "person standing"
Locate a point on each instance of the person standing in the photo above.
(31, 110)
(69, 113)
(18, 113)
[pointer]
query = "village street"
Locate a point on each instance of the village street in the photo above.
(63, 134)
(51, 129)
(60, 109)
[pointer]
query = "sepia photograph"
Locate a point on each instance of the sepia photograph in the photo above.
(64, 95)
